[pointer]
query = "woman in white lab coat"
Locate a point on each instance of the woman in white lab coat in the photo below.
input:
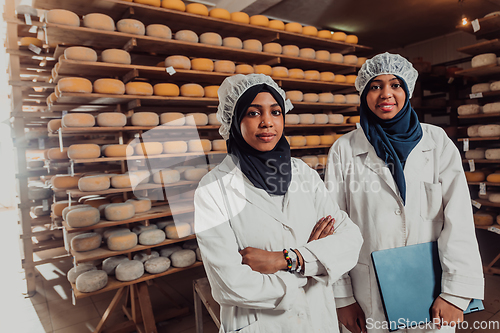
(402, 183)
(259, 202)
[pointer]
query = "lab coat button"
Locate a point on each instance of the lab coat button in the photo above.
(397, 211)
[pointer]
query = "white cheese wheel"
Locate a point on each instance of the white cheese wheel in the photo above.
(292, 119)
(190, 244)
(131, 26)
(86, 242)
(91, 281)
(232, 42)
(63, 17)
(129, 270)
(178, 230)
(167, 176)
(291, 50)
(483, 219)
(263, 69)
(183, 258)
(339, 99)
(325, 98)
(94, 183)
(312, 75)
(157, 265)
(166, 89)
(259, 20)
(159, 31)
(196, 119)
(219, 145)
(187, 36)
(312, 140)
(273, 48)
(202, 64)
(220, 13)
(39, 192)
(480, 88)
(472, 131)
(85, 150)
(76, 271)
(279, 71)
(494, 86)
(139, 88)
(211, 38)
(307, 53)
(99, 21)
(109, 264)
(297, 141)
(327, 140)
(494, 197)
(352, 99)
(244, 69)
(118, 151)
(475, 154)
(178, 62)
(192, 90)
(211, 91)
(195, 174)
(339, 36)
(295, 95)
(140, 229)
(212, 119)
(116, 56)
(491, 107)
(489, 130)
(321, 118)
(339, 78)
(240, 17)
(172, 119)
(197, 8)
(80, 53)
(311, 98)
(111, 119)
(335, 118)
(151, 237)
(311, 160)
(306, 118)
(149, 148)
(492, 154)
(82, 217)
(198, 254)
(78, 120)
(125, 180)
(350, 59)
(169, 249)
(119, 212)
(75, 85)
(484, 60)
(199, 145)
(145, 119)
(296, 73)
(337, 57)
(175, 147)
(224, 66)
(252, 45)
(293, 27)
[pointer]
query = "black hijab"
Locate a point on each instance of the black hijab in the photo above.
(267, 170)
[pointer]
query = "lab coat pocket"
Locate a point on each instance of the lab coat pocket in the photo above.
(431, 202)
(361, 283)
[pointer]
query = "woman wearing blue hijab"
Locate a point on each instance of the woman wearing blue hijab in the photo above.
(402, 183)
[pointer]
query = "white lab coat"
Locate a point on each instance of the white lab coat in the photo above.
(438, 207)
(280, 302)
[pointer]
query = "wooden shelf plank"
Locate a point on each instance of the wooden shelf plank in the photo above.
(489, 46)
(486, 183)
(487, 70)
(483, 161)
(487, 203)
(142, 157)
(491, 138)
(479, 116)
(75, 193)
(489, 27)
(311, 147)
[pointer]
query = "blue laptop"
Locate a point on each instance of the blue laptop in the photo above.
(409, 280)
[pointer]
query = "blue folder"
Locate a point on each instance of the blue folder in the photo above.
(409, 279)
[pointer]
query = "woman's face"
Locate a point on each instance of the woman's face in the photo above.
(386, 96)
(262, 125)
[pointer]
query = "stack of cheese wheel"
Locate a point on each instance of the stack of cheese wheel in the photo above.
(485, 59)
(468, 109)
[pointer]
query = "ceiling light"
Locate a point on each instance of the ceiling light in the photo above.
(464, 20)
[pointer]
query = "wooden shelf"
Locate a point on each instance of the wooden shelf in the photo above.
(486, 183)
(482, 161)
(489, 46)
(488, 70)
(491, 138)
(311, 147)
(113, 283)
(489, 27)
(480, 116)
(142, 157)
(487, 203)
(75, 193)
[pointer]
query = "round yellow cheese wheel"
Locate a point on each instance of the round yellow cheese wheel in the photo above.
(293, 27)
(224, 66)
(220, 13)
(78, 120)
(159, 31)
(337, 57)
(197, 8)
(307, 53)
(353, 119)
(174, 147)
(272, 48)
(84, 150)
(172, 119)
(75, 84)
(361, 61)
(312, 140)
(311, 98)
(244, 69)
(80, 53)
(109, 86)
(350, 78)
(94, 183)
(139, 88)
(339, 36)
(326, 34)
(178, 62)
(295, 95)
(323, 55)
(131, 26)
(292, 119)
(492, 178)
(118, 212)
(352, 99)
(201, 145)
(202, 64)
(483, 219)
(118, 151)
(145, 119)
(232, 42)
(296, 73)
(240, 17)
(219, 145)
(326, 76)
(312, 75)
(121, 241)
(124, 180)
(310, 31)
(192, 90)
(149, 148)
(259, 20)
(279, 71)
(252, 45)
(57, 154)
(212, 119)
(476, 176)
(116, 56)
(156, 3)
(196, 119)
(211, 91)
(263, 69)
(58, 207)
(166, 89)
(350, 59)
(297, 141)
(277, 24)
(335, 119)
(325, 98)
(62, 16)
(54, 125)
(141, 205)
(291, 50)
(64, 181)
(174, 4)
(211, 38)
(187, 35)
(311, 160)
(339, 78)
(166, 176)
(99, 21)
(327, 140)
(26, 41)
(353, 39)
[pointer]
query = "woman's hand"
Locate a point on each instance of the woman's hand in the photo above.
(444, 313)
(353, 318)
(323, 228)
(262, 261)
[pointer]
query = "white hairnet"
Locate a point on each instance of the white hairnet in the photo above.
(231, 90)
(386, 63)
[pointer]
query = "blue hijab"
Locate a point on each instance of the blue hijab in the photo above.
(393, 139)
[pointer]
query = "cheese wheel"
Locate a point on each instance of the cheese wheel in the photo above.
(492, 154)
(220, 13)
(197, 8)
(321, 118)
(339, 78)
(151, 237)
(240, 17)
(310, 31)
(118, 151)
(212, 119)
(337, 57)
(292, 119)
(491, 107)
(168, 250)
(178, 230)
(195, 174)
(54, 125)
(312, 75)
(244, 69)
(94, 183)
(156, 3)
(201, 145)
(489, 130)
(175, 147)
(475, 154)
(224, 66)
(109, 264)
(129, 270)
(166, 89)
(211, 38)
(111, 119)
(192, 90)
(131, 26)
(294, 27)
(339, 36)
(483, 219)
(99, 21)
(493, 178)
(312, 140)
(232, 42)
(327, 140)
(183, 258)
(145, 119)
(335, 119)
(279, 71)
(187, 36)
(74, 206)
(149, 148)
(166, 176)
(64, 181)
(124, 181)
(325, 98)
(494, 197)
(63, 17)
(202, 64)
(311, 98)
(259, 20)
(86, 242)
(323, 55)
(35, 164)
(83, 217)
(57, 154)
(291, 50)
(78, 120)
(85, 150)
(109, 86)
(352, 39)
(322, 160)
(273, 48)
(295, 95)
(80, 53)
(473, 131)
(326, 76)
(494, 86)
(178, 62)
(116, 56)
(211, 91)
(326, 34)
(172, 119)
(306, 118)
(139, 88)
(480, 88)
(350, 59)
(58, 207)
(307, 53)
(476, 176)
(353, 119)
(350, 78)
(119, 212)
(484, 60)
(252, 45)
(263, 69)
(157, 265)
(159, 31)
(96, 202)
(219, 145)
(76, 271)
(296, 73)
(297, 141)
(75, 84)
(352, 99)
(174, 4)
(311, 160)
(276, 24)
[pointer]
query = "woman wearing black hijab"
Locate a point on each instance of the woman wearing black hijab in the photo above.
(271, 238)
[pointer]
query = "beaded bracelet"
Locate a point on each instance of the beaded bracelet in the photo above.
(288, 260)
